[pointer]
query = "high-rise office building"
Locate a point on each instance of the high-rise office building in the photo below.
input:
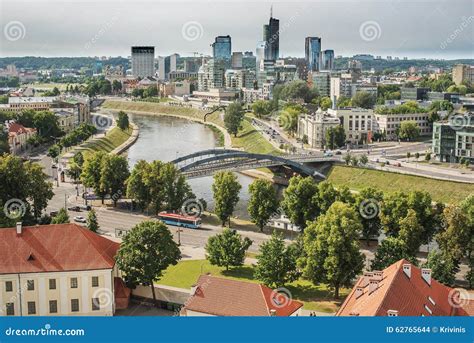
(222, 47)
(143, 61)
(271, 36)
(260, 53)
(237, 60)
(167, 64)
(211, 75)
(312, 49)
(327, 60)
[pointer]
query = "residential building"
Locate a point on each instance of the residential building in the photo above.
(463, 73)
(341, 86)
(284, 223)
(314, 126)
(453, 139)
(390, 123)
(251, 95)
(321, 80)
(327, 62)
(312, 52)
(358, 124)
(114, 72)
(260, 54)
(18, 136)
(58, 270)
(67, 118)
(222, 47)
(249, 61)
(237, 60)
(414, 93)
(271, 36)
(36, 103)
(143, 61)
(211, 75)
(178, 88)
(240, 78)
(215, 296)
(403, 289)
(181, 75)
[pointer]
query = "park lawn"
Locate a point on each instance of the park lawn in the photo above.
(114, 138)
(186, 273)
(252, 141)
(359, 178)
(50, 86)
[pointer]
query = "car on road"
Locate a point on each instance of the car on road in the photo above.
(85, 207)
(338, 152)
(80, 219)
(328, 154)
(74, 208)
(53, 213)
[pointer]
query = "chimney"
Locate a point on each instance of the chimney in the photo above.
(426, 275)
(273, 313)
(392, 313)
(358, 292)
(378, 275)
(194, 289)
(373, 285)
(19, 228)
(407, 269)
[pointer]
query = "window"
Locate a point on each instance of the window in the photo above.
(52, 283)
(74, 305)
(95, 281)
(95, 304)
(53, 306)
(31, 307)
(10, 309)
(8, 286)
(30, 285)
(74, 282)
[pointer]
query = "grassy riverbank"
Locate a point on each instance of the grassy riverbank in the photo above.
(359, 178)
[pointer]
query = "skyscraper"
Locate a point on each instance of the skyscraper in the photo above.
(222, 47)
(328, 60)
(271, 36)
(167, 64)
(143, 61)
(312, 50)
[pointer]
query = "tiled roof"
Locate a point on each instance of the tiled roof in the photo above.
(16, 128)
(54, 248)
(394, 290)
(226, 297)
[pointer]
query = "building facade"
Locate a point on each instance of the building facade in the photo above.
(312, 52)
(222, 47)
(314, 126)
(454, 139)
(463, 73)
(271, 36)
(390, 123)
(358, 124)
(143, 61)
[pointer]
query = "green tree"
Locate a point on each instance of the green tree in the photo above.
(78, 158)
(122, 121)
(227, 249)
(40, 190)
(263, 202)
(92, 222)
(467, 207)
(261, 108)
(409, 130)
(411, 232)
(325, 103)
(335, 137)
(175, 187)
(137, 188)
(61, 218)
(363, 100)
(54, 151)
(74, 171)
(146, 251)
(47, 124)
(113, 174)
(226, 190)
(233, 117)
(92, 173)
(427, 157)
(331, 246)
(276, 263)
(368, 203)
(300, 200)
(391, 250)
(363, 160)
(347, 158)
(343, 101)
(443, 268)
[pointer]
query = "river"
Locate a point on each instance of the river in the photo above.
(166, 138)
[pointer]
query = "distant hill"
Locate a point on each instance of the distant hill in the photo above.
(398, 65)
(30, 62)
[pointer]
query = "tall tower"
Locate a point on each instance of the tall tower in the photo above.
(312, 52)
(271, 36)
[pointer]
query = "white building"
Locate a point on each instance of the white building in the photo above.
(390, 123)
(314, 127)
(143, 61)
(358, 123)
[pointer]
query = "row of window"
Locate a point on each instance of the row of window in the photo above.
(53, 306)
(30, 284)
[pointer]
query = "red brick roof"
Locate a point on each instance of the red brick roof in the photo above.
(54, 248)
(16, 128)
(226, 297)
(410, 296)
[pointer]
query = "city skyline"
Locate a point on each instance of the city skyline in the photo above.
(344, 26)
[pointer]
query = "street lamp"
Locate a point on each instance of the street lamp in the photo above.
(179, 235)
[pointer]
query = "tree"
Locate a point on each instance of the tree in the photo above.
(288, 119)
(263, 202)
(300, 200)
(443, 268)
(427, 157)
(78, 158)
(354, 160)
(40, 190)
(467, 207)
(367, 204)
(409, 130)
(137, 188)
(233, 117)
(226, 190)
(122, 121)
(61, 218)
(391, 250)
(113, 174)
(146, 251)
(363, 160)
(175, 188)
(343, 101)
(276, 264)
(261, 108)
(331, 246)
(408, 155)
(116, 86)
(411, 232)
(335, 137)
(227, 249)
(325, 103)
(47, 124)
(92, 222)
(54, 151)
(92, 173)
(347, 158)
(363, 100)
(74, 171)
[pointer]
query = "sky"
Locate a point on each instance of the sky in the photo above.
(412, 28)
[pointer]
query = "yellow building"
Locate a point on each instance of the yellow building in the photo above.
(58, 270)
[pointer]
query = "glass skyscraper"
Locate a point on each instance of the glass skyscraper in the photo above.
(222, 47)
(312, 51)
(328, 60)
(271, 36)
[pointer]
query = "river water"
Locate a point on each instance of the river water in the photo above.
(166, 138)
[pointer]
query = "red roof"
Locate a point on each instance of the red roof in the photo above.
(395, 290)
(16, 128)
(226, 297)
(54, 248)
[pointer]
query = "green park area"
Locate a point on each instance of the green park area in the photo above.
(359, 178)
(112, 140)
(315, 298)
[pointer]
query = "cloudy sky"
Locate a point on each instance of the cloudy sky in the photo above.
(413, 28)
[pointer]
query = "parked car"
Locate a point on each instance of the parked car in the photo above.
(80, 219)
(85, 207)
(328, 154)
(338, 152)
(74, 208)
